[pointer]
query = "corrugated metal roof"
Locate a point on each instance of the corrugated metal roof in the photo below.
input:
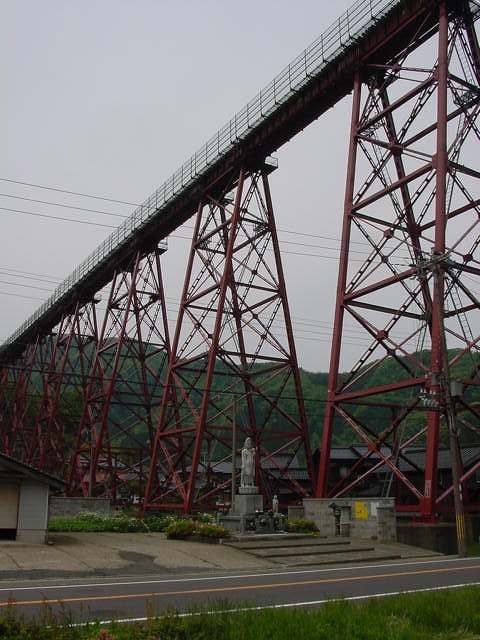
(411, 457)
(11, 464)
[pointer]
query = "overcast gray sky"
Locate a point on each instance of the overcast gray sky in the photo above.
(109, 97)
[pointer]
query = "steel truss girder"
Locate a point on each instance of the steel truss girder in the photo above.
(417, 209)
(233, 358)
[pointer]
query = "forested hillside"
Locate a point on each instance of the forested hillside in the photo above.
(314, 391)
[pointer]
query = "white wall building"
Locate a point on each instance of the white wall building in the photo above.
(24, 497)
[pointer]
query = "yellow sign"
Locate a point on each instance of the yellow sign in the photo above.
(361, 510)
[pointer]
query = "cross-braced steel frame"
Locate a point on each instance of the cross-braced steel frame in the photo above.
(64, 380)
(21, 386)
(82, 400)
(412, 199)
(112, 450)
(233, 358)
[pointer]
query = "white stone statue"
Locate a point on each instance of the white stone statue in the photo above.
(247, 477)
(275, 504)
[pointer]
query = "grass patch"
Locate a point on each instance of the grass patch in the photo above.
(444, 615)
(473, 549)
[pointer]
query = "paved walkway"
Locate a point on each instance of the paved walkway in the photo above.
(108, 554)
(136, 554)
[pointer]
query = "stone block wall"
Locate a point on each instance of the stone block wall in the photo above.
(369, 518)
(296, 512)
(63, 507)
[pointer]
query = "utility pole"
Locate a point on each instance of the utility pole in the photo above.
(450, 411)
(234, 453)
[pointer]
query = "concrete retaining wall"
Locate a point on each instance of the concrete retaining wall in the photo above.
(69, 507)
(441, 536)
(369, 518)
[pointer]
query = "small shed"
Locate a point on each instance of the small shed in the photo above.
(24, 497)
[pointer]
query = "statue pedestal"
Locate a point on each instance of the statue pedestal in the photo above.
(250, 489)
(248, 503)
(247, 515)
(247, 508)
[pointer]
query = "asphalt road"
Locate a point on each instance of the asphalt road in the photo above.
(135, 598)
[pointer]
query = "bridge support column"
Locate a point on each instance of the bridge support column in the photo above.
(63, 385)
(21, 397)
(233, 359)
(412, 203)
(125, 385)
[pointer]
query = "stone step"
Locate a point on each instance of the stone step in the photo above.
(338, 558)
(268, 538)
(282, 552)
(312, 541)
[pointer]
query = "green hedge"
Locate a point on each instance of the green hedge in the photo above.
(122, 523)
(182, 529)
(301, 526)
(96, 522)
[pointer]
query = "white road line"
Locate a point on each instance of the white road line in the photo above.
(286, 605)
(236, 577)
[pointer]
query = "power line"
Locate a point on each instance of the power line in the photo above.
(65, 206)
(309, 322)
(27, 277)
(316, 336)
(123, 202)
(123, 216)
(119, 378)
(109, 226)
(18, 295)
(30, 273)
(133, 204)
(72, 193)
(27, 286)
(324, 326)
(44, 215)
(304, 244)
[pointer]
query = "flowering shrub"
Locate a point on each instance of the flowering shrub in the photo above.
(182, 529)
(213, 531)
(175, 527)
(301, 526)
(96, 522)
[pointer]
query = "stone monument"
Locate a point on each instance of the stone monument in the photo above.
(275, 505)
(246, 514)
(248, 500)
(247, 477)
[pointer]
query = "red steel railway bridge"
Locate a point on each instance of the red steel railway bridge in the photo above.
(94, 388)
